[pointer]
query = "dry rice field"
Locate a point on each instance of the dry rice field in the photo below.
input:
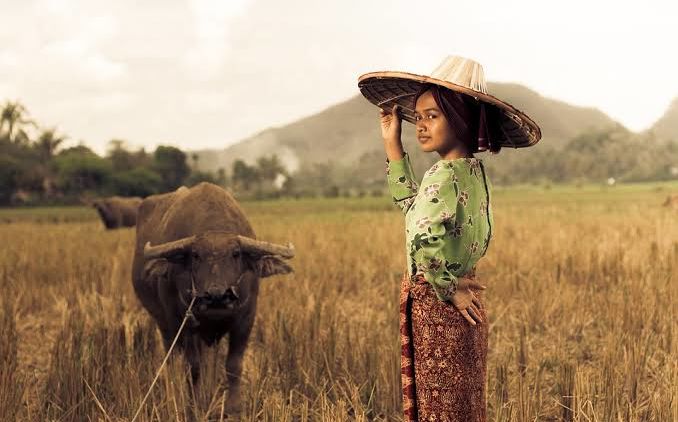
(581, 298)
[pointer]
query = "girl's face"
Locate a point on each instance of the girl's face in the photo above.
(433, 130)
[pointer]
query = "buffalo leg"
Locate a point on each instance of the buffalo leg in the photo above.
(167, 336)
(237, 343)
(192, 346)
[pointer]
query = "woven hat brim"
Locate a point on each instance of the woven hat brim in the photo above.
(386, 89)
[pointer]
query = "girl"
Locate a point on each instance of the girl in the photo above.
(448, 227)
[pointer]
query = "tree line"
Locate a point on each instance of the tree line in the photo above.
(36, 167)
(598, 156)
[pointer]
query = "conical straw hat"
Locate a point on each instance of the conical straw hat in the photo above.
(386, 89)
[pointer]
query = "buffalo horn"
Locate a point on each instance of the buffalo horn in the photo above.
(259, 247)
(168, 249)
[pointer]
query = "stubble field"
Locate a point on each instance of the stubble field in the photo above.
(581, 300)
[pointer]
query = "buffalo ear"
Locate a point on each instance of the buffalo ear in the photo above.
(155, 270)
(273, 264)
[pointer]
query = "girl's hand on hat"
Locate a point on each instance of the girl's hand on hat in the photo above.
(467, 303)
(391, 133)
(390, 125)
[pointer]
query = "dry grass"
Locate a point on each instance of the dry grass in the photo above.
(581, 302)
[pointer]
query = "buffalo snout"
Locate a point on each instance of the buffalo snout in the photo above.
(215, 292)
(220, 295)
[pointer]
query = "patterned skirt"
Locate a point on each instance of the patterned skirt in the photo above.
(443, 358)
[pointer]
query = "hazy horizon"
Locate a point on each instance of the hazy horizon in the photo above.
(205, 73)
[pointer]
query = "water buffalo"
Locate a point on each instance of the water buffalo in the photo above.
(117, 211)
(197, 242)
(671, 202)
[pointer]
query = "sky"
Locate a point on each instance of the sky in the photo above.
(208, 73)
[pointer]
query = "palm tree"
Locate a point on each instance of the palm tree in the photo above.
(48, 142)
(46, 146)
(14, 117)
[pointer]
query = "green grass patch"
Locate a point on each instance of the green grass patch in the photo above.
(608, 197)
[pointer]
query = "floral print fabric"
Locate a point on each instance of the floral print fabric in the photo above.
(448, 219)
(443, 358)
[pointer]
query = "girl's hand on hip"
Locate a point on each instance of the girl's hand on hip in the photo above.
(469, 283)
(466, 301)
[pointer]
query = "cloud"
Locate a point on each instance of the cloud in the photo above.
(63, 48)
(201, 73)
(207, 56)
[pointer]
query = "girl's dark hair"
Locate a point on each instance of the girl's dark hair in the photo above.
(467, 117)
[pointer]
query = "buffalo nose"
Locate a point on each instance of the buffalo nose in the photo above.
(215, 292)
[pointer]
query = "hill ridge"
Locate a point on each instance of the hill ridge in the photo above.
(346, 131)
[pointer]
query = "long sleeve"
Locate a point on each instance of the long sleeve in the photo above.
(401, 182)
(432, 228)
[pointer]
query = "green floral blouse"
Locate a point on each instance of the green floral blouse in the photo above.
(448, 220)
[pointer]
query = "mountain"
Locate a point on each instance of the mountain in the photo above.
(666, 127)
(349, 131)
(559, 121)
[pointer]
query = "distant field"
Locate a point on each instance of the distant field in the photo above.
(581, 296)
(653, 193)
